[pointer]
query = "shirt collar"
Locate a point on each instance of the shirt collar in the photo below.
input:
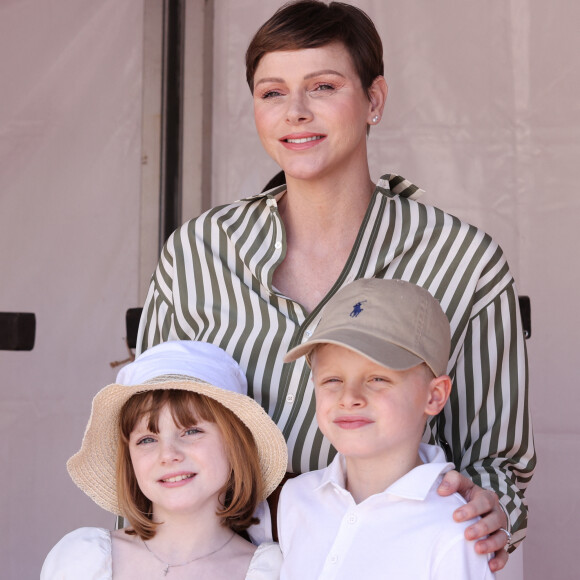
(390, 184)
(269, 194)
(413, 485)
(334, 474)
(267, 231)
(419, 481)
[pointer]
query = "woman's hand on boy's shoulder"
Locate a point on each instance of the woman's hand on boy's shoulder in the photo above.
(484, 503)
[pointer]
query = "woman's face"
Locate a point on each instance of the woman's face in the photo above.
(179, 469)
(311, 111)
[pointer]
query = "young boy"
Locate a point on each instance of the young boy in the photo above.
(379, 357)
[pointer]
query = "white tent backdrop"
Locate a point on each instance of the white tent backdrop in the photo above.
(482, 113)
(70, 140)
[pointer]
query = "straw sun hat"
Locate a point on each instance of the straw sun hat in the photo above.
(185, 365)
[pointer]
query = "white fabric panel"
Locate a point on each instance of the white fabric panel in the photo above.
(70, 114)
(483, 113)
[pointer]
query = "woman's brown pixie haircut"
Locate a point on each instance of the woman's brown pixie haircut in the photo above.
(312, 24)
(241, 492)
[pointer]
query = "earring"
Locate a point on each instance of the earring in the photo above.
(376, 118)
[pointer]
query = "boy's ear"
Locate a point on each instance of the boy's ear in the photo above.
(439, 389)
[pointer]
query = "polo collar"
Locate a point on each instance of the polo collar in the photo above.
(414, 485)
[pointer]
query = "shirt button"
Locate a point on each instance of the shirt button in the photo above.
(333, 559)
(278, 245)
(290, 398)
(308, 333)
(352, 519)
(270, 202)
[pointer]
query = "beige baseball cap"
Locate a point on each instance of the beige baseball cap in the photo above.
(395, 323)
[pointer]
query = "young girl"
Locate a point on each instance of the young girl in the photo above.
(186, 462)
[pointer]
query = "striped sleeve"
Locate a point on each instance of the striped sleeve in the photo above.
(487, 422)
(156, 323)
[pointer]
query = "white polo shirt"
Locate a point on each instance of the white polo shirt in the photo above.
(406, 532)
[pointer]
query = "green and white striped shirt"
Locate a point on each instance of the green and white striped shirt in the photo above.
(213, 283)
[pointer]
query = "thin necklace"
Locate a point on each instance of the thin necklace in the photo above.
(167, 566)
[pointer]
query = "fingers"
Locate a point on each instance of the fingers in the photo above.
(493, 543)
(484, 503)
(499, 561)
(454, 482)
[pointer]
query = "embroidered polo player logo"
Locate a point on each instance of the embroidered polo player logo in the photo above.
(357, 309)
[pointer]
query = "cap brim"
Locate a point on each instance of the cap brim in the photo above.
(381, 352)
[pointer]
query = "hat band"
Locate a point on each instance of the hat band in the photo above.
(169, 378)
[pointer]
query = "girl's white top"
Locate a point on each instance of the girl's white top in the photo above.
(86, 553)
